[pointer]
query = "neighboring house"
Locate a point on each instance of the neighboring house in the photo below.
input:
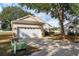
(66, 27)
(0, 25)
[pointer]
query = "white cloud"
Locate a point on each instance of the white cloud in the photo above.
(52, 21)
(44, 16)
(0, 9)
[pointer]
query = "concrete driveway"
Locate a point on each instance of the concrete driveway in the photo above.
(50, 47)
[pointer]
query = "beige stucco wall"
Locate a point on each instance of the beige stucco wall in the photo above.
(37, 31)
(21, 25)
(30, 19)
(47, 27)
(14, 26)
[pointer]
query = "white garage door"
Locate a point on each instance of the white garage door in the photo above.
(30, 33)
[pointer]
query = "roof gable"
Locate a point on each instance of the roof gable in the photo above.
(30, 18)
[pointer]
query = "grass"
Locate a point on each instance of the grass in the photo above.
(56, 37)
(5, 50)
(59, 37)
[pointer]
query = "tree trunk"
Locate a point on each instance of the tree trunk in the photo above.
(61, 18)
(75, 25)
(62, 28)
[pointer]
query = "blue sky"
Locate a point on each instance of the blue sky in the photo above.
(41, 15)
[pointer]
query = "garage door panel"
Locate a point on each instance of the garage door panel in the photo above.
(29, 33)
(23, 33)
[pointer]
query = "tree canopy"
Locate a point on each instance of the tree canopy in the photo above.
(57, 10)
(11, 13)
(52, 7)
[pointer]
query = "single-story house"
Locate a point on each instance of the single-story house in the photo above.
(28, 27)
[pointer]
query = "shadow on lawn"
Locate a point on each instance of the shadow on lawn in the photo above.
(26, 52)
(5, 50)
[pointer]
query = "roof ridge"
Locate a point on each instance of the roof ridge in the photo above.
(29, 16)
(24, 17)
